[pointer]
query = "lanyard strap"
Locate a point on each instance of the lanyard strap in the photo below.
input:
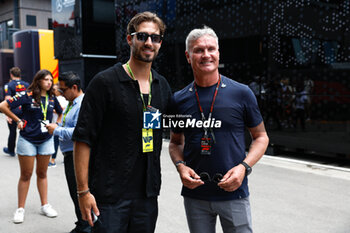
(44, 109)
(150, 83)
(212, 103)
(211, 107)
(70, 105)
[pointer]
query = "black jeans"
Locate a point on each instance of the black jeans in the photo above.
(81, 225)
(56, 142)
(127, 216)
(11, 142)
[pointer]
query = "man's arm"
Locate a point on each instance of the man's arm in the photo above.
(87, 202)
(64, 133)
(258, 145)
(233, 179)
(188, 176)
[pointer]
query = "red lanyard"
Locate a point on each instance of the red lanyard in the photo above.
(211, 107)
(212, 103)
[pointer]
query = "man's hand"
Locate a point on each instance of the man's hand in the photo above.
(87, 203)
(233, 179)
(51, 127)
(189, 177)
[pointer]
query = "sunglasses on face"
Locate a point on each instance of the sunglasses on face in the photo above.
(143, 36)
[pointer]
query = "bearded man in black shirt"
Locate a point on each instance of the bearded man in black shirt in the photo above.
(118, 136)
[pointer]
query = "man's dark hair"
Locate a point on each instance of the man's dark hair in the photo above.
(145, 17)
(16, 72)
(70, 78)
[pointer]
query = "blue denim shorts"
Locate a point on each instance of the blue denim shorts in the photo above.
(27, 148)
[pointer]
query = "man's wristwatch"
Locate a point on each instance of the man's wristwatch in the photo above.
(180, 162)
(248, 169)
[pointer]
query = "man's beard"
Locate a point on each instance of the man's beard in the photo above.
(136, 52)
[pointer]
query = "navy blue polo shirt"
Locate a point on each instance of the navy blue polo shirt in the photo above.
(32, 113)
(236, 107)
(13, 88)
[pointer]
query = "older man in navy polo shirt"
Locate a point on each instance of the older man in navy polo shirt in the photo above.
(210, 157)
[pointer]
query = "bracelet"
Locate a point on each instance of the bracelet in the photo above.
(82, 193)
(180, 162)
(19, 121)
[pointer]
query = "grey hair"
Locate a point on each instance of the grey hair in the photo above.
(196, 33)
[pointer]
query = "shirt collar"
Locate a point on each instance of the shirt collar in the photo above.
(76, 100)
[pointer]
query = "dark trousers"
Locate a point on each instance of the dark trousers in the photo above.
(11, 142)
(81, 225)
(56, 143)
(127, 216)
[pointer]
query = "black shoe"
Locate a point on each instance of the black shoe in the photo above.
(6, 150)
(76, 230)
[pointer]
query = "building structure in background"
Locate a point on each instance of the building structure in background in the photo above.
(34, 51)
(285, 48)
(84, 35)
(16, 15)
(22, 14)
(288, 48)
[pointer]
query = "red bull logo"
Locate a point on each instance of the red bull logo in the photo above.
(18, 44)
(20, 88)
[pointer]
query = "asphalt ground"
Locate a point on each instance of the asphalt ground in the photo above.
(287, 196)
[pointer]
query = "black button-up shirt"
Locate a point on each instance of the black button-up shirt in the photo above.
(110, 122)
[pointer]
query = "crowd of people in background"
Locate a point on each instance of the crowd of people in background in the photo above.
(284, 104)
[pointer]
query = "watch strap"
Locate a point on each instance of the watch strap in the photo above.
(248, 169)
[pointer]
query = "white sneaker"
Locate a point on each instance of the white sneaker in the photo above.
(19, 216)
(48, 211)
